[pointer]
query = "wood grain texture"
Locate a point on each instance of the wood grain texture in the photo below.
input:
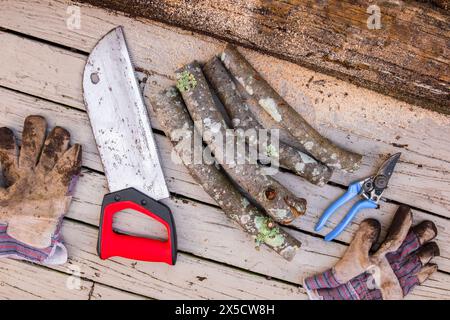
(91, 190)
(102, 292)
(190, 278)
(408, 57)
(422, 130)
(206, 232)
(384, 125)
(18, 281)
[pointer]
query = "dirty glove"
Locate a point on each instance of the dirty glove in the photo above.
(401, 262)
(36, 193)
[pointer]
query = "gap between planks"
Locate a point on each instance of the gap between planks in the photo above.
(93, 189)
(96, 157)
(335, 102)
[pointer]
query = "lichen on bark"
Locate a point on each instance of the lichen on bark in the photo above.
(284, 206)
(282, 115)
(186, 81)
(242, 118)
(174, 117)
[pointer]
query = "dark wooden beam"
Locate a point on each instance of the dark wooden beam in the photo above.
(408, 58)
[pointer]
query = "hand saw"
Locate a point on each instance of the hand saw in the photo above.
(124, 138)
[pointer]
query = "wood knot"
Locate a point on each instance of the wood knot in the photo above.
(270, 193)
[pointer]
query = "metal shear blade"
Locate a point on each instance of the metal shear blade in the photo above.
(371, 189)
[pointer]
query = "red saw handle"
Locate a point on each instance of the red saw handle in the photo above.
(113, 244)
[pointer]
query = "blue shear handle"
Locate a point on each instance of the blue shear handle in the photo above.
(353, 190)
(361, 204)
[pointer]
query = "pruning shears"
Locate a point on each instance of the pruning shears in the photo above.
(371, 189)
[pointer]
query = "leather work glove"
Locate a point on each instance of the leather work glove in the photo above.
(401, 262)
(36, 193)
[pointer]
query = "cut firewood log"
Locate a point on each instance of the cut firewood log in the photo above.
(178, 126)
(284, 116)
(281, 204)
(242, 118)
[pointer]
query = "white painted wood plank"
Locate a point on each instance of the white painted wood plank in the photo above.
(203, 230)
(190, 278)
(102, 292)
(29, 68)
(359, 119)
(92, 187)
(21, 280)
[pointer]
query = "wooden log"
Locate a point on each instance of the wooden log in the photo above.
(178, 126)
(284, 116)
(281, 204)
(384, 126)
(406, 55)
(242, 118)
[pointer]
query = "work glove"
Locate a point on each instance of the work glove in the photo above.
(36, 191)
(401, 262)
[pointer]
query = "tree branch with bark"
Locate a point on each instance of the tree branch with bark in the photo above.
(175, 120)
(283, 116)
(239, 112)
(280, 203)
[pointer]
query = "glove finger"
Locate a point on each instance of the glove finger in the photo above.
(425, 231)
(426, 272)
(417, 236)
(32, 141)
(8, 155)
(68, 167)
(409, 283)
(55, 145)
(428, 252)
(414, 262)
(397, 232)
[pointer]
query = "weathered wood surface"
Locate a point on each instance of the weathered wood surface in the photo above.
(190, 278)
(18, 280)
(408, 57)
(204, 231)
(15, 106)
(385, 125)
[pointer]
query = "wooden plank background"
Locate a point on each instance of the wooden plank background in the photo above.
(42, 63)
(407, 56)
